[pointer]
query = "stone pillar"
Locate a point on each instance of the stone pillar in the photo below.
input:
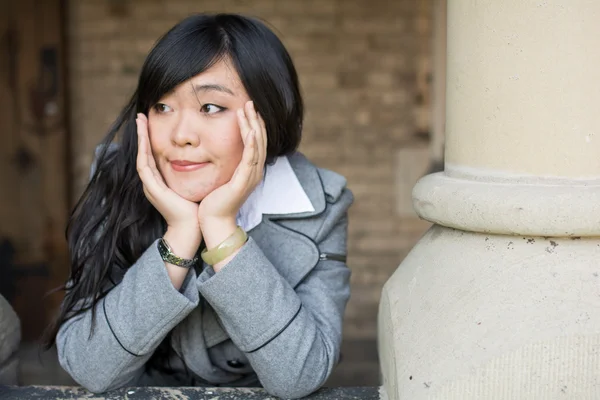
(500, 299)
(438, 89)
(10, 337)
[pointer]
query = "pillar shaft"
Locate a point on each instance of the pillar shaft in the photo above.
(438, 112)
(523, 88)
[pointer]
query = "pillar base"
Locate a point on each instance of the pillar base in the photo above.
(511, 205)
(480, 316)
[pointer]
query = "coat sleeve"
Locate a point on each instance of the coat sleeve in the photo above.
(131, 321)
(291, 336)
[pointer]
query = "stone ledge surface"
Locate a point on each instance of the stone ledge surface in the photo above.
(180, 393)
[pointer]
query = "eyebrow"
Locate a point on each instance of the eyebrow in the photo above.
(212, 87)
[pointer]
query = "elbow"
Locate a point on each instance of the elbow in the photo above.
(297, 385)
(98, 387)
(304, 375)
(95, 382)
(95, 385)
(292, 392)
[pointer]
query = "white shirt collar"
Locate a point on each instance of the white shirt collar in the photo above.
(279, 192)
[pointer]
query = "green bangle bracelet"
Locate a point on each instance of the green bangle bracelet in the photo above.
(226, 248)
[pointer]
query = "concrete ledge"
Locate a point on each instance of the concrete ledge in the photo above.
(191, 393)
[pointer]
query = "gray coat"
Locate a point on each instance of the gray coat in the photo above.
(10, 338)
(273, 314)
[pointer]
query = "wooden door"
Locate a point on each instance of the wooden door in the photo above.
(34, 159)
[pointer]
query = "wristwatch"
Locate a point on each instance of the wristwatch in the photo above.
(167, 255)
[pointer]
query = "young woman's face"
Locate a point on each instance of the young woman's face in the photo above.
(194, 133)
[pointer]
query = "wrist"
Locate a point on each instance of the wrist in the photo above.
(216, 230)
(218, 256)
(184, 242)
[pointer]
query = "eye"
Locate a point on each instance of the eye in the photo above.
(162, 108)
(211, 108)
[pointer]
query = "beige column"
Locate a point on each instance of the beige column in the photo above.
(501, 298)
(438, 95)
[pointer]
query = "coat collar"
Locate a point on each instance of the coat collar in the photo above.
(291, 189)
(310, 180)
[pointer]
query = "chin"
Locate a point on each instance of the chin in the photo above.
(194, 188)
(195, 197)
(195, 193)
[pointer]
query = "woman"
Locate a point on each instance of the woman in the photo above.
(205, 250)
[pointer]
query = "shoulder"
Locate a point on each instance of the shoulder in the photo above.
(329, 194)
(332, 186)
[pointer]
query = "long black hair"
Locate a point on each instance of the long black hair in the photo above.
(113, 223)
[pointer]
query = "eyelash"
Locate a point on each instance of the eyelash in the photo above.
(157, 107)
(220, 109)
(203, 109)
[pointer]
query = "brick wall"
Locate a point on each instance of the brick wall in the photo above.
(363, 67)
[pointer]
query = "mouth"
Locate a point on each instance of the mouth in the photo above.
(186, 166)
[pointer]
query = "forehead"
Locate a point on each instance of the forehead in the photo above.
(221, 75)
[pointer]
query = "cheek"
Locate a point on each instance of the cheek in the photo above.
(158, 137)
(227, 146)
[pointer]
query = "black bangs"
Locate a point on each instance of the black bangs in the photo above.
(188, 49)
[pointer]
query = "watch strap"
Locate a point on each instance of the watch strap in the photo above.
(167, 255)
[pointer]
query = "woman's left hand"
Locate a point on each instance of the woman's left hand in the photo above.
(221, 206)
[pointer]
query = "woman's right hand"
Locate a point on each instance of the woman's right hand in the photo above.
(179, 213)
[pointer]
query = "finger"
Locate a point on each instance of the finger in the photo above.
(149, 181)
(244, 125)
(146, 165)
(144, 146)
(245, 169)
(146, 138)
(248, 132)
(257, 128)
(143, 132)
(252, 117)
(258, 163)
(251, 111)
(261, 121)
(154, 185)
(262, 140)
(142, 155)
(256, 153)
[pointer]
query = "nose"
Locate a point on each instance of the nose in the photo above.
(187, 131)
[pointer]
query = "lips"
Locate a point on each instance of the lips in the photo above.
(186, 166)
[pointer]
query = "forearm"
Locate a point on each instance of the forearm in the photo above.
(130, 322)
(299, 360)
(272, 322)
(97, 362)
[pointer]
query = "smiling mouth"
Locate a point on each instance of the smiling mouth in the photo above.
(186, 166)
